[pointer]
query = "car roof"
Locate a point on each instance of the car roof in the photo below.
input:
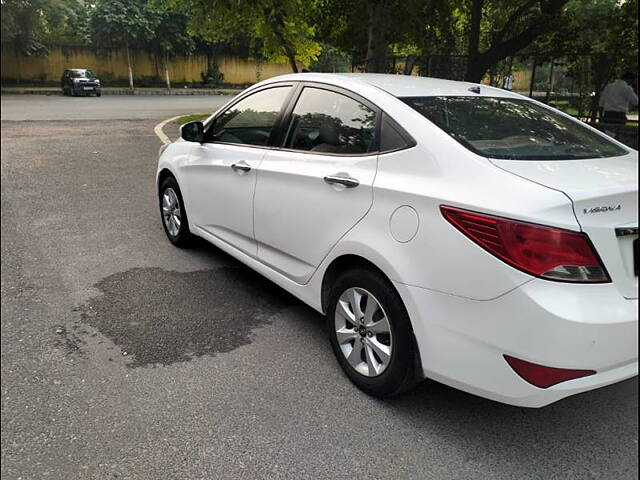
(398, 85)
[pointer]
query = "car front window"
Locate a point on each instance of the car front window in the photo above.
(251, 120)
(515, 129)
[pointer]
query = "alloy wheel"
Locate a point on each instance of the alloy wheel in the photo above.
(363, 332)
(171, 212)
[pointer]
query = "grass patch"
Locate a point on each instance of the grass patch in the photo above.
(193, 117)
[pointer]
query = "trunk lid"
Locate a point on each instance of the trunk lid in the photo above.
(604, 192)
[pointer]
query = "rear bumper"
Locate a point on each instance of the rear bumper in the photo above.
(462, 342)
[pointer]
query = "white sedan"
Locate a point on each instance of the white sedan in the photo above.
(447, 230)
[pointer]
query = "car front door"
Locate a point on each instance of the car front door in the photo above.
(318, 185)
(220, 175)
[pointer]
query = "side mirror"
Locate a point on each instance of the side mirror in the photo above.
(192, 132)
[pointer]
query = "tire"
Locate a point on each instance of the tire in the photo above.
(181, 236)
(378, 380)
(99, 94)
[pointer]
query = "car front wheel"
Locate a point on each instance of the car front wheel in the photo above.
(370, 333)
(174, 216)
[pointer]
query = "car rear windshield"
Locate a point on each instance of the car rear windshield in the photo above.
(514, 129)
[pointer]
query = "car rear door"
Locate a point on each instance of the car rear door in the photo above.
(221, 173)
(319, 184)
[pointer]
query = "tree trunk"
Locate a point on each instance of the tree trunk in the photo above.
(475, 67)
(166, 71)
(533, 77)
(278, 15)
(129, 66)
(292, 59)
(376, 60)
(550, 81)
(409, 64)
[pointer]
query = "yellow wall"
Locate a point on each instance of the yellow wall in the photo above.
(112, 65)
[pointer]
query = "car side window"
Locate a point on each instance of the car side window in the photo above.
(392, 136)
(251, 120)
(329, 122)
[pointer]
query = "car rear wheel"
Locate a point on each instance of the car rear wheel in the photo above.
(370, 333)
(174, 216)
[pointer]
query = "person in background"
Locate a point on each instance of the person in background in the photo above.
(507, 83)
(616, 98)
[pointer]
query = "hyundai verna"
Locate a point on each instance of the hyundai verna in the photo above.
(447, 230)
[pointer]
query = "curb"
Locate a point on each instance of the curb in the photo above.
(158, 129)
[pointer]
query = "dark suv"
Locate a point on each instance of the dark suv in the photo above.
(79, 81)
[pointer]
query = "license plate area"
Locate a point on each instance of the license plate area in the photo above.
(87, 88)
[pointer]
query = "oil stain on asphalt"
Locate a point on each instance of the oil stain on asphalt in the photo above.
(162, 317)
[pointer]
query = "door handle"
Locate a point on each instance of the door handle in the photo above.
(241, 167)
(344, 180)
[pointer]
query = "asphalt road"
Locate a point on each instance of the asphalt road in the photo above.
(124, 357)
(108, 107)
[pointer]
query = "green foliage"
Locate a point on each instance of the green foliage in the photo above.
(213, 76)
(603, 28)
(32, 25)
(331, 60)
(283, 26)
(330, 35)
(122, 22)
(170, 35)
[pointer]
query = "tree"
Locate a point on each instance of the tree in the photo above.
(507, 28)
(170, 38)
(122, 23)
(600, 42)
(31, 25)
(283, 27)
(378, 36)
(486, 31)
(344, 29)
(369, 42)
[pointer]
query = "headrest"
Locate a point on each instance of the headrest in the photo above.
(329, 133)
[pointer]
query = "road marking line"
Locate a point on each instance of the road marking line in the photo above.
(158, 129)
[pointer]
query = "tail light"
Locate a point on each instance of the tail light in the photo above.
(546, 252)
(544, 377)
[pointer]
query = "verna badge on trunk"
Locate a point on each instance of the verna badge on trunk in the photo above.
(607, 208)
